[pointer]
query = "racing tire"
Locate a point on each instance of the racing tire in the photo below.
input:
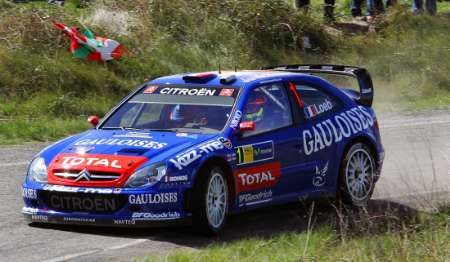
(210, 201)
(357, 175)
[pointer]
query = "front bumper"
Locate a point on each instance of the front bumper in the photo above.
(103, 206)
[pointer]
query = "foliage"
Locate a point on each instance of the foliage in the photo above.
(408, 57)
(421, 237)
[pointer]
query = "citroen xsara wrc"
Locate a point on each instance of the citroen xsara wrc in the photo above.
(198, 147)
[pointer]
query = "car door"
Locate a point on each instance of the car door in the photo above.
(317, 162)
(266, 154)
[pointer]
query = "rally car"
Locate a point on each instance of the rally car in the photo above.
(198, 147)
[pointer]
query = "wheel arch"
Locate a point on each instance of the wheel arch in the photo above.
(358, 139)
(213, 161)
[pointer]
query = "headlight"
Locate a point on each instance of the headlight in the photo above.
(147, 176)
(38, 170)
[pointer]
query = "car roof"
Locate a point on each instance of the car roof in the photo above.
(242, 78)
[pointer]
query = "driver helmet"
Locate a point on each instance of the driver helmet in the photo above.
(254, 110)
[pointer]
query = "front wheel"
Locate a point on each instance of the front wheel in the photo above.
(357, 175)
(210, 201)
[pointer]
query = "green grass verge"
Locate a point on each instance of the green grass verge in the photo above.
(38, 129)
(409, 56)
(426, 238)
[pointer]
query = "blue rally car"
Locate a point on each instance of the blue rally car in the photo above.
(198, 147)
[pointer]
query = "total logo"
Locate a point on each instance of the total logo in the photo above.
(259, 177)
(71, 161)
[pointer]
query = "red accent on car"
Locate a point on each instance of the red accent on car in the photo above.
(257, 177)
(94, 120)
(226, 92)
(199, 76)
(150, 89)
(104, 170)
(247, 126)
(375, 124)
(297, 96)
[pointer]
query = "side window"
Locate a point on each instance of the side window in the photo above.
(268, 107)
(315, 101)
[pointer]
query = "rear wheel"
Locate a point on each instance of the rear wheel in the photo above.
(210, 201)
(357, 175)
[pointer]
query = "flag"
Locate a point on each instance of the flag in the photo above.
(311, 111)
(88, 46)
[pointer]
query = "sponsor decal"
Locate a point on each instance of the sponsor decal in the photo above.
(155, 216)
(74, 161)
(29, 193)
(258, 177)
(158, 198)
(231, 157)
(88, 190)
(319, 177)
(87, 203)
(135, 135)
(226, 142)
(226, 92)
(181, 178)
(121, 142)
(255, 198)
(313, 110)
(187, 135)
(30, 210)
(188, 91)
(366, 90)
(255, 152)
(236, 119)
(124, 222)
(150, 89)
(79, 219)
(81, 150)
(185, 159)
(39, 218)
(333, 130)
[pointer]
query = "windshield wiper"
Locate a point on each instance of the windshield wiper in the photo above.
(120, 127)
(162, 130)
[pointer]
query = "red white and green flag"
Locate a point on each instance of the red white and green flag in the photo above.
(88, 46)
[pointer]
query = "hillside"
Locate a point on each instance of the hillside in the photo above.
(47, 94)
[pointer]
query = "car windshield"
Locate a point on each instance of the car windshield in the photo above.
(175, 109)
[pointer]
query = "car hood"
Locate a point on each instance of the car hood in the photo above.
(130, 143)
(106, 158)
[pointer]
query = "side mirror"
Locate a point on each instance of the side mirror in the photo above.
(94, 120)
(247, 126)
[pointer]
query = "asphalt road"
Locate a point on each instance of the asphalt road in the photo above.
(416, 175)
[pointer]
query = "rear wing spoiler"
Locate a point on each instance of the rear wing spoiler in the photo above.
(361, 74)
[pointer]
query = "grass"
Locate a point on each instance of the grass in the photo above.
(422, 237)
(40, 81)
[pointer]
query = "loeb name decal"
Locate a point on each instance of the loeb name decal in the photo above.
(121, 142)
(332, 130)
(258, 177)
(159, 198)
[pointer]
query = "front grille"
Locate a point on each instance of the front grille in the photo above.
(84, 202)
(93, 175)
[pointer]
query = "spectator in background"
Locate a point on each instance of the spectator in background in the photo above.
(328, 9)
(374, 7)
(430, 6)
